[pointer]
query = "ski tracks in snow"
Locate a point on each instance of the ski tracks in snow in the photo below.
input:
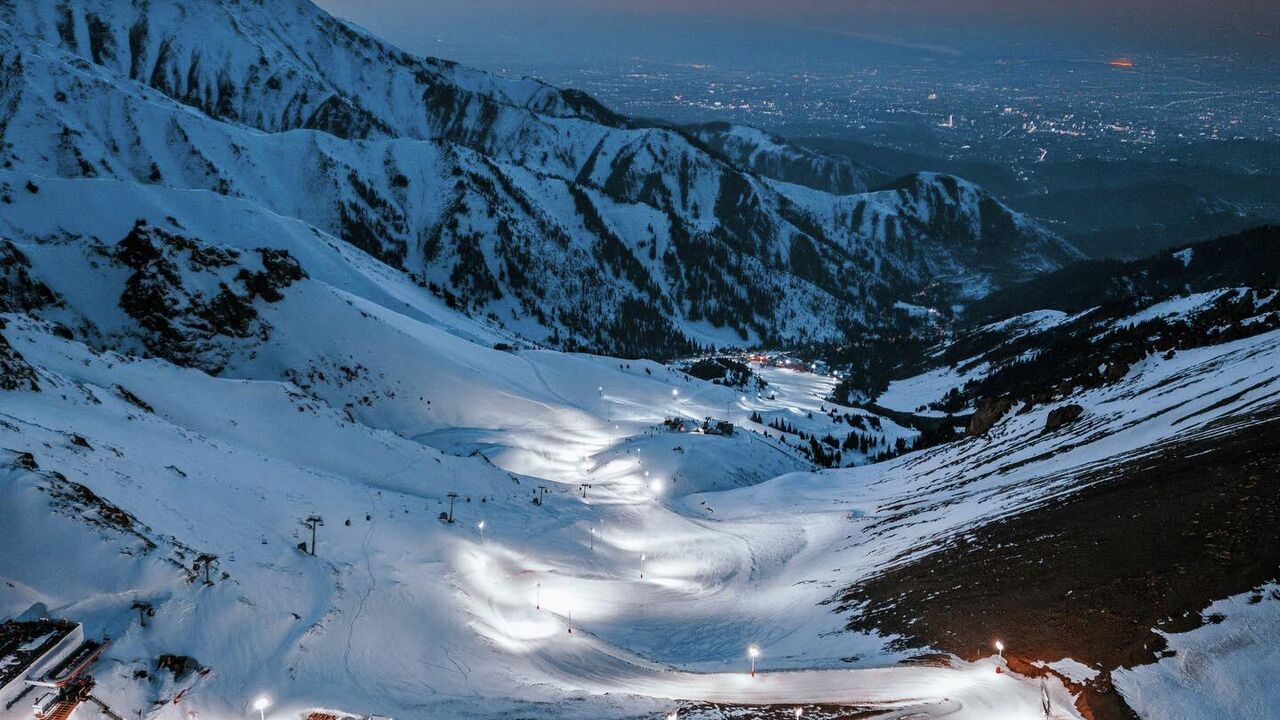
(373, 582)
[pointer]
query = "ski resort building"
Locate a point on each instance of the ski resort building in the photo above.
(29, 649)
(47, 657)
(320, 714)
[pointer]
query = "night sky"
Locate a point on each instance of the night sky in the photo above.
(500, 33)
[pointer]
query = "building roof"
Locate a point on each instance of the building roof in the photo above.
(23, 643)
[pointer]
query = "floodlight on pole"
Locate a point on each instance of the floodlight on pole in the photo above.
(481, 528)
(1000, 649)
(799, 712)
(754, 652)
(261, 705)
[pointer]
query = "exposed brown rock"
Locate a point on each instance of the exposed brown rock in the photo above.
(15, 372)
(1062, 416)
(988, 414)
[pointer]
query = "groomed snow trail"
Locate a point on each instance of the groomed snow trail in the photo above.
(670, 598)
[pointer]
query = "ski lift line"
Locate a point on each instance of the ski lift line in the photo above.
(373, 582)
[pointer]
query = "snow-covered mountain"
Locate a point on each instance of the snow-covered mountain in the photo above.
(346, 390)
(766, 154)
(532, 206)
(256, 265)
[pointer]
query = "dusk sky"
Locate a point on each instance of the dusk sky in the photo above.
(494, 33)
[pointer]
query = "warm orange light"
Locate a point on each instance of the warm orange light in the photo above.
(1122, 63)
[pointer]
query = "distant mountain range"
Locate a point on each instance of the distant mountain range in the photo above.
(534, 207)
(1111, 208)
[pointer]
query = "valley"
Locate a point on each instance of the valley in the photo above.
(337, 382)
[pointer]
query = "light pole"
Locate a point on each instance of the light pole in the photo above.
(261, 706)
(481, 527)
(642, 559)
(799, 712)
(593, 538)
(754, 652)
(1000, 649)
(537, 589)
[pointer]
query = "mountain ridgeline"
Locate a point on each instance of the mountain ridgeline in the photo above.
(1246, 259)
(1083, 326)
(534, 207)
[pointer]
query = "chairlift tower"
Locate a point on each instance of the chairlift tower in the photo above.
(313, 521)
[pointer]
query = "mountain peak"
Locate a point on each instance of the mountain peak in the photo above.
(513, 200)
